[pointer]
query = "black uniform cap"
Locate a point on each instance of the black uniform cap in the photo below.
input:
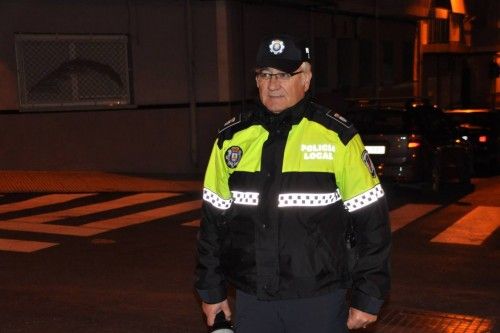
(282, 52)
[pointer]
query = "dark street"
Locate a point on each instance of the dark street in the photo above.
(118, 260)
(111, 112)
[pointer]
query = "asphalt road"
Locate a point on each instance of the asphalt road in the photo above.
(123, 262)
(449, 259)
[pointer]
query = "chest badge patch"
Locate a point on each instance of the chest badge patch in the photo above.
(233, 156)
(369, 164)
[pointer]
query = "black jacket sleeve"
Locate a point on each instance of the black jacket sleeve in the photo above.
(365, 201)
(371, 273)
(210, 282)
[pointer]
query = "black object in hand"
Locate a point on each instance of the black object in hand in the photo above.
(221, 325)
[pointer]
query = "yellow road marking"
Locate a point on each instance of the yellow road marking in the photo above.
(194, 223)
(49, 229)
(144, 216)
(14, 245)
(101, 226)
(406, 214)
(45, 200)
(473, 228)
(94, 208)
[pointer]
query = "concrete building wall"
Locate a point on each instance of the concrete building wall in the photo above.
(157, 38)
(149, 138)
(52, 17)
(144, 141)
(159, 52)
(166, 129)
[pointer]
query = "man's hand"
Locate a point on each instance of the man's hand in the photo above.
(359, 319)
(211, 310)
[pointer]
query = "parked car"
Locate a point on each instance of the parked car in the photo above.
(480, 128)
(412, 143)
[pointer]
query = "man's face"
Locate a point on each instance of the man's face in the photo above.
(278, 94)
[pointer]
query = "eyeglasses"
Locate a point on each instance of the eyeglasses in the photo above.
(281, 76)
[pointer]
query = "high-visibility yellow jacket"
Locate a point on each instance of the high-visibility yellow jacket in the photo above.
(280, 193)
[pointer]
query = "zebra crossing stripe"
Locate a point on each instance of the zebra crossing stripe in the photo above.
(194, 223)
(406, 214)
(49, 229)
(144, 216)
(45, 200)
(94, 208)
(15, 245)
(97, 227)
(473, 228)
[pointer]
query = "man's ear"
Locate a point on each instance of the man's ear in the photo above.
(256, 82)
(307, 80)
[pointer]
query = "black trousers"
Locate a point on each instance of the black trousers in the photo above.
(321, 314)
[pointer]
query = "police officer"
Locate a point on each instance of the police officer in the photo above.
(286, 186)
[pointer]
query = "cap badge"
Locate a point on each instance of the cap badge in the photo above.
(233, 156)
(276, 47)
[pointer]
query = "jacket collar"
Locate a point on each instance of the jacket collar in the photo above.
(289, 116)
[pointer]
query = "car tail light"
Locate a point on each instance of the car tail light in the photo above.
(413, 141)
(483, 138)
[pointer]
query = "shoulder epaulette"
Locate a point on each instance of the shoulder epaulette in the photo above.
(333, 121)
(232, 126)
(230, 123)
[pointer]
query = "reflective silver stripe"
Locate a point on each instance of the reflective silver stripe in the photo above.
(246, 198)
(307, 199)
(364, 199)
(215, 200)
